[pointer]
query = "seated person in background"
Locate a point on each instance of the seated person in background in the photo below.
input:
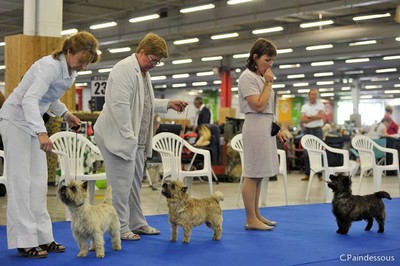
(204, 139)
(326, 128)
(393, 128)
(378, 130)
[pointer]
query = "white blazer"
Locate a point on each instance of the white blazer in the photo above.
(119, 121)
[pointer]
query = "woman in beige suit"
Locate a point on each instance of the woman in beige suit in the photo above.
(124, 131)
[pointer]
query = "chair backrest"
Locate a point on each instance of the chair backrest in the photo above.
(282, 161)
(315, 149)
(76, 146)
(237, 145)
(169, 146)
(365, 147)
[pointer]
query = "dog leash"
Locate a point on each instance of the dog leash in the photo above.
(76, 128)
(184, 130)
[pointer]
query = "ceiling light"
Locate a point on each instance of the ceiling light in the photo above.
(199, 83)
(234, 89)
(319, 47)
(396, 85)
(216, 82)
(211, 58)
(398, 39)
(2, 67)
(179, 76)
(278, 86)
(354, 72)
(346, 97)
(182, 61)
(393, 57)
(303, 91)
(322, 83)
(197, 8)
(316, 24)
(224, 36)
(144, 18)
(362, 43)
(325, 89)
(346, 88)
(119, 50)
(289, 66)
(323, 74)
(288, 96)
(301, 84)
(206, 73)
(104, 70)
(379, 79)
(163, 86)
(235, 2)
(69, 31)
(284, 51)
(186, 41)
(86, 72)
(158, 77)
(160, 64)
(178, 85)
(371, 16)
(81, 84)
(238, 70)
(322, 63)
(385, 70)
(283, 92)
(2, 43)
(103, 25)
(267, 30)
(295, 76)
(366, 97)
(391, 91)
(357, 60)
(327, 94)
(236, 56)
(371, 87)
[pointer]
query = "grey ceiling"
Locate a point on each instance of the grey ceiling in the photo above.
(242, 18)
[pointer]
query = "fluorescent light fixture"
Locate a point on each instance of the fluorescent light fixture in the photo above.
(327, 94)
(224, 36)
(211, 58)
(86, 72)
(392, 57)
(300, 84)
(2, 67)
(234, 89)
(328, 82)
(267, 30)
(182, 61)
(371, 16)
(325, 89)
(158, 77)
(386, 70)
(180, 76)
(366, 97)
(81, 84)
(396, 85)
(316, 24)
(354, 72)
(160, 64)
(289, 66)
(186, 41)
(295, 76)
(104, 70)
(236, 56)
(178, 85)
(284, 51)
(391, 91)
(398, 39)
(323, 74)
(2, 43)
(288, 96)
(196, 8)
(199, 83)
(371, 87)
(69, 31)
(346, 97)
(322, 63)
(206, 73)
(238, 70)
(303, 91)
(160, 86)
(319, 47)
(283, 92)
(235, 2)
(357, 60)
(362, 43)
(346, 88)
(119, 50)
(217, 82)
(103, 25)
(144, 18)
(278, 86)
(379, 79)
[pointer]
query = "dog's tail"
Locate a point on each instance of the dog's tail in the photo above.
(218, 196)
(108, 195)
(383, 194)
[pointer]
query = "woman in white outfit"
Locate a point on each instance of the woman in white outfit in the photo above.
(25, 140)
(257, 101)
(124, 131)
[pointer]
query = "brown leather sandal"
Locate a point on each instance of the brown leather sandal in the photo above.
(53, 247)
(33, 253)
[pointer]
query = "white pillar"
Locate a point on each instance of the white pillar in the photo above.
(29, 17)
(355, 95)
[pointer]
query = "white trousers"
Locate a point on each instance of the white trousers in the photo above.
(125, 178)
(28, 221)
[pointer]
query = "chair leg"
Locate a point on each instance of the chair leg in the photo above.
(239, 190)
(361, 178)
(264, 190)
(377, 179)
(309, 185)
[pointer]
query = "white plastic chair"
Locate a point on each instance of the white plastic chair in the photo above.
(316, 150)
(3, 177)
(170, 147)
(237, 145)
(75, 146)
(365, 147)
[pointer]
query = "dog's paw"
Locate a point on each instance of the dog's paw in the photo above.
(341, 232)
(173, 239)
(216, 238)
(185, 241)
(381, 230)
(117, 247)
(82, 254)
(100, 255)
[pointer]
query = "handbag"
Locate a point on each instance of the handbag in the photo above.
(275, 129)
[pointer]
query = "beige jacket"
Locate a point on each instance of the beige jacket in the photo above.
(119, 121)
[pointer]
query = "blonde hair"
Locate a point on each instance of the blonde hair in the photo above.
(153, 44)
(205, 131)
(81, 41)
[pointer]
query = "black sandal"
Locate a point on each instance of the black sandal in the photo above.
(31, 253)
(53, 247)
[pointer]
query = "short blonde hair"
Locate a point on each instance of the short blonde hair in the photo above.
(153, 44)
(205, 131)
(81, 41)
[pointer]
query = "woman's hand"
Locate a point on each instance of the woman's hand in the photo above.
(177, 105)
(73, 122)
(281, 137)
(268, 75)
(45, 142)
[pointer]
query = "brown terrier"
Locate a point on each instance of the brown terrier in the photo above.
(187, 212)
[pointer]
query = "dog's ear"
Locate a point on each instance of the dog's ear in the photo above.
(84, 185)
(332, 177)
(184, 189)
(346, 180)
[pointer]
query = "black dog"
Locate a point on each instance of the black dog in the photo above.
(348, 208)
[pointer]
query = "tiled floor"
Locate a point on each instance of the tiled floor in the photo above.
(276, 197)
